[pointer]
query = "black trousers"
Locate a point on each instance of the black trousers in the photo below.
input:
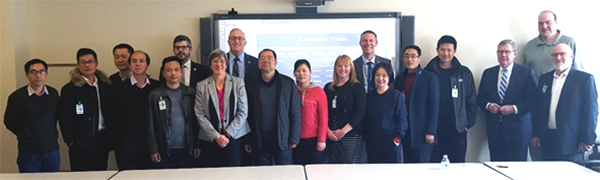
(415, 155)
(383, 151)
(133, 154)
(505, 149)
(306, 152)
(215, 156)
(269, 153)
(451, 143)
(551, 151)
(91, 157)
(178, 158)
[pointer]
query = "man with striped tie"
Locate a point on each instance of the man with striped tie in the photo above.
(506, 95)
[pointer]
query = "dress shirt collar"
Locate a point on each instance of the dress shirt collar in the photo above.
(31, 92)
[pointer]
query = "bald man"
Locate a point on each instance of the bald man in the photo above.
(564, 123)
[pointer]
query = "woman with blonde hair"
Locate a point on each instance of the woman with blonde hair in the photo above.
(346, 103)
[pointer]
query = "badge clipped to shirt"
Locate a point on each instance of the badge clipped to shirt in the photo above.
(334, 102)
(162, 105)
(79, 108)
(454, 92)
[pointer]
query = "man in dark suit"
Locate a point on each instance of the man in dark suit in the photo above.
(192, 71)
(365, 63)
(422, 92)
(506, 95)
(240, 64)
(565, 122)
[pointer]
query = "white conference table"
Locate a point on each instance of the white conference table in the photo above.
(543, 170)
(91, 175)
(400, 171)
(291, 172)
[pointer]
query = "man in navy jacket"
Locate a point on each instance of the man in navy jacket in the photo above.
(421, 89)
(566, 119)
(506, 95)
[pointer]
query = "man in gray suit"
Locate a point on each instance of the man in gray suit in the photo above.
(365, 63)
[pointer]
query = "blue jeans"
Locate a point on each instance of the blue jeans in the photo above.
(39, 162)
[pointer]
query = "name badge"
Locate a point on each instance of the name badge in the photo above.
(79, 108)
(454, 92)
(162, 105)
(334, 102)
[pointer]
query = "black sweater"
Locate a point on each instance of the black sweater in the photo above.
(32, 119)
(129, 110)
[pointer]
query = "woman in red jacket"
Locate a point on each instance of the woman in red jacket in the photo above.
(314, 117)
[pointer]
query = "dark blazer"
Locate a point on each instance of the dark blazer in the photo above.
(198, 73)
(576, 112)
(423, 108)
(351, 106)
(288, 111)
(358, 65)
(520, 92)
(251, 70)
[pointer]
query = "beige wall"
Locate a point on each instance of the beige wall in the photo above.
(54, 30)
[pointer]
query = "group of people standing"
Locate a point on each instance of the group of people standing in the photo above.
(239, 110)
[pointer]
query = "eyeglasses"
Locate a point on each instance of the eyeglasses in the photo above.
(40, 72)
(504, 52)
(86, 62)
(181, 47)
(558, 54)
(239, 38)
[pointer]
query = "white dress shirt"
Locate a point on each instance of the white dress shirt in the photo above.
(186, 72)
(557, 86)
(100, 117)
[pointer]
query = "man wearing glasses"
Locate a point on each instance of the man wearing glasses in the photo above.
(566, 118)
(83, 114)
(192, 71)
(30, 115)
(506, 95)
(240, 64)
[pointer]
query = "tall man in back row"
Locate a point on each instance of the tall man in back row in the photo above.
(192, 71)
(239, 63)
(365, 63)
(564, 124)
(536, 54)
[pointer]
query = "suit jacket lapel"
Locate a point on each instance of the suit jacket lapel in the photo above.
(515, 76)
(212, 90)
(228, 88)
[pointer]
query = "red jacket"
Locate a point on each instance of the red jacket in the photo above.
(314, 113)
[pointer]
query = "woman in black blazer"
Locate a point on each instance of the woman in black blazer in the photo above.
(347, 101)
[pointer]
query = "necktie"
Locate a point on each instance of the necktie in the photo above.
(503, 85)
(370, 76)
(184, 67)
(236, 67)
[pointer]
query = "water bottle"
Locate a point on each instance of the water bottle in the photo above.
(445, 164)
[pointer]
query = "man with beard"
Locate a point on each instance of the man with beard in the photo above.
(192, 71)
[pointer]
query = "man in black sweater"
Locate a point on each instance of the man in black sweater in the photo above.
(129, 110)
(30, 115)
(83, 114)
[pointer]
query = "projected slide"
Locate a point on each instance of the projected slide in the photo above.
(319, 41)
